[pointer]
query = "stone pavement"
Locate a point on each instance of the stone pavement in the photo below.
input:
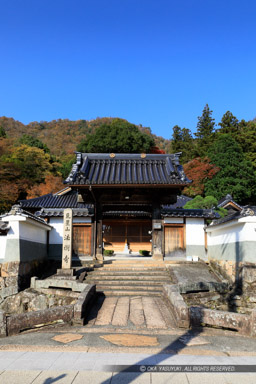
(38, 357)
(21, 367)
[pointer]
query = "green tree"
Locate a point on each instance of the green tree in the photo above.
(118, 136)
(66, 164)
(33, 142)
(182, 141)
(208, 202)
(246, 139)
(205, 131)
(236, 175)
(229, 124)
(32, 162)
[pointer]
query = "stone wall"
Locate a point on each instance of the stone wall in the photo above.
(242, 272)
(11, 324)
(197, 315)
(17, 274)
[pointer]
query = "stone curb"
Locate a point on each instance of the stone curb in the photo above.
(196, 315)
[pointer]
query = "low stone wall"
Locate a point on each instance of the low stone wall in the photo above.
(196, 315)
(210, 286)
(84, 300)
(17, 323)
(178, 305)
(8, 291)
(244, 324)
(13, 324)
(57, 283)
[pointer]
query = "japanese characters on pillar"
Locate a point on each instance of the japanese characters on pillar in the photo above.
(67, 239)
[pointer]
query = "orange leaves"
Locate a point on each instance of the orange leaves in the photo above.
(52, 184)
(199, 170)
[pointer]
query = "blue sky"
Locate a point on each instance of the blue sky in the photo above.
(152, 62)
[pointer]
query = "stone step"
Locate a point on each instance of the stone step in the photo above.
(128, 273)
(121, 278)
(133, 267)
(126, 283)
(103, 287)
(130, 293)
(132, 260)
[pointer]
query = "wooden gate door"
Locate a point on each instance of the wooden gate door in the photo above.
(174, 238)
(138, 237)
(82, 240)
(133, 232)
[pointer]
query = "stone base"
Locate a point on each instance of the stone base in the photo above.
(158, 256)
(99, 257)
(65, 272)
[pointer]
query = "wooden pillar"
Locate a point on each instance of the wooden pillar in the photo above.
(157, 233)
(99, 237)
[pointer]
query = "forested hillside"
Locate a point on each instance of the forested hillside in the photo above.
(219, 158)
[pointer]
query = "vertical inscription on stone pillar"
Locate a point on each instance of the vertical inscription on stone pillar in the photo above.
(67, 239)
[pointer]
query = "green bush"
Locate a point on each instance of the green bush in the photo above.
(108, 252)
(143, 252)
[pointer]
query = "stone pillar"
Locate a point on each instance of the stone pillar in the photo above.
(157, 233)
(2, 323)
(253, 323)
(67, 239)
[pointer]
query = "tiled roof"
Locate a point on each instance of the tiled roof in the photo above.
(203, 213)
(17, 210)
(68, 200)
(246, 211)
(118, 169)
(181, 201)
(228, 199)
(77, 212)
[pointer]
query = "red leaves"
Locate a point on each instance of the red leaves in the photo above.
(199, 170)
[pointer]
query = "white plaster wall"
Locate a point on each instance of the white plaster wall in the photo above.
(2, 246)
(240, 231)
(31, 232)
(195, 231)
(14, 231)
(56, 233)
(174, 220)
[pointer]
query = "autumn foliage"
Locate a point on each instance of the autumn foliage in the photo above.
(52, 184)
(199, 170)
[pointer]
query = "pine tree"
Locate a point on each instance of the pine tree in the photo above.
(205, 131)
(229, 124)
(182, 141)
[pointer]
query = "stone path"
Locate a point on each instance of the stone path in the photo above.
(105, 368)
(131, 311)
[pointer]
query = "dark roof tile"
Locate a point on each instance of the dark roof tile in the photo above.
(58, 212)
(246, 211)
(98, 169)
(68, 200)
(203, 213)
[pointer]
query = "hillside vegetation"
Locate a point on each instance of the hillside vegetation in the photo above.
(219, 158)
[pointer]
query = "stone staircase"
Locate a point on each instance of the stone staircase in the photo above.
(130, 278)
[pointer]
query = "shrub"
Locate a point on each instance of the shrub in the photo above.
(143, 252)
(108, 252)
